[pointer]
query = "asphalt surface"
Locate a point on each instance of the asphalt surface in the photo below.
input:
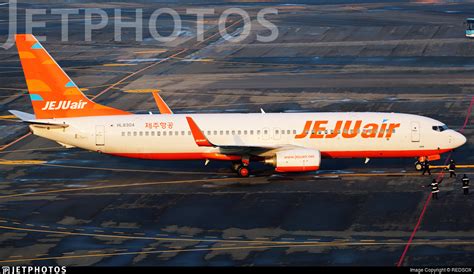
(73, 207)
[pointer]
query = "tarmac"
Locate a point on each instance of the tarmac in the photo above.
(78, 208)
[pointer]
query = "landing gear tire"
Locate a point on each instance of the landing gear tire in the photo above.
(418, 166)
(243, 171)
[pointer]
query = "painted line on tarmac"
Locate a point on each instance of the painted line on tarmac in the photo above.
(14, 142)
(136, 237)
(119, 186)
(229, 248)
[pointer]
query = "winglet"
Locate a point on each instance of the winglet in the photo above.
(198, 135)
(162, 106)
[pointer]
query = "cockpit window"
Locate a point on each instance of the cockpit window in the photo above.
(440, 128)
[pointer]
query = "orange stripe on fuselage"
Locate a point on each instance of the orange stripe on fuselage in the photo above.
(324, 154)
(296, 168)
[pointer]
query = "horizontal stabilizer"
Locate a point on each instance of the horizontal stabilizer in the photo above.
(23, 115)
(31, 119)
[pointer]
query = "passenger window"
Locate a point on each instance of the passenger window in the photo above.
(221, 132)
(233, 132)
(134, 133)
(123, 133)
(245, 132)
(152, 133)
(164, 133)
(251, 132)
(239, 132)
(294, 131)
(208, 132)
(215, 132)
(158, 133)
(226, 132)
(129, 133)
(258, 132)
(182, 133)
(146, 133)
(189, 132)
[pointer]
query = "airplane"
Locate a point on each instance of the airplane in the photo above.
(290, 142)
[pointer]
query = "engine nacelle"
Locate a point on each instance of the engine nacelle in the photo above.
(296, 160)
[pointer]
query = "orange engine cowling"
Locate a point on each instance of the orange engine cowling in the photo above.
(296, 160)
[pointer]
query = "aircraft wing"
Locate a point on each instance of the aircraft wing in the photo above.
(251, 149)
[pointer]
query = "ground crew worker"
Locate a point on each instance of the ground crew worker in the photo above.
(452, 168)
(426, 167)
(465, 184)
(434, 189)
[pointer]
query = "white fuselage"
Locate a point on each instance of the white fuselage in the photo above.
(335, 135)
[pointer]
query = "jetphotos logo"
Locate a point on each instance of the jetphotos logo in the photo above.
(347, 129)
(233, 24)
(33, 270)
(57, 105)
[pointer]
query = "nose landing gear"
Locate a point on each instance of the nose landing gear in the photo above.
(418, 166)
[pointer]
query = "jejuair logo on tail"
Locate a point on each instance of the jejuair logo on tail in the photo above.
(348, 129)
(57, 105)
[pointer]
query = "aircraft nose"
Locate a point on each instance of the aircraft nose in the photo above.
(459, 139)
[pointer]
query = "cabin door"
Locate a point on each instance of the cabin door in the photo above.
(99, 135)
(415, 131)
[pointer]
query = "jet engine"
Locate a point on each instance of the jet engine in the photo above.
(295, 160)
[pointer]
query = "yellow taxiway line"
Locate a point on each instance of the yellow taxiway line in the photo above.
(21, 162)
(118, 186)
(133, 237)
(101, 253)
(155, 51)
(141, 90)
(457, 166)
(8, 117)
(118, 65)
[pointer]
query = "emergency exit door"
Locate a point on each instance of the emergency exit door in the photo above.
(415, 131)
(99, 135)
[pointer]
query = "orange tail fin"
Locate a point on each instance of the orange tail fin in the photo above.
(53, 94)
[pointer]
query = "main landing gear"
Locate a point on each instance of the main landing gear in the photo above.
(242, 168)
